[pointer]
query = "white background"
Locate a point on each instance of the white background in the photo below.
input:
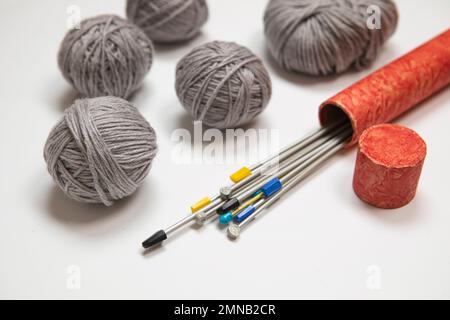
(318, 243)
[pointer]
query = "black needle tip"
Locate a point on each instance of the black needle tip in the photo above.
(158, 237)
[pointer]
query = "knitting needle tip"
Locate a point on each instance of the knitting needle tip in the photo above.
(155, 239)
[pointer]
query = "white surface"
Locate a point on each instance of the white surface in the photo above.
(317, 243)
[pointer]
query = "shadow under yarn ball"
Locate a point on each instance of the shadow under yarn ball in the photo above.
(101, 150)
(222, 84)
(323, 37)
(108, 55)
(168, 21)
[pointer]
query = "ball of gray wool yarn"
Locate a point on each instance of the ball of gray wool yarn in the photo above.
(323, 37)
(108, 55)
(222, 84)
(101, 150)
(168, 21)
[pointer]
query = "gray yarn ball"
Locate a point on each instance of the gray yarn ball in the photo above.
(323, 37)
(222, 84)
(168, 21)
(101, 150)
(108, 55)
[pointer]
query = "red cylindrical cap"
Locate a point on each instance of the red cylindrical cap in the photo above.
(388, 165)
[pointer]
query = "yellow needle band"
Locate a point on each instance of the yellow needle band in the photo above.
(200, 204)
(241, 174)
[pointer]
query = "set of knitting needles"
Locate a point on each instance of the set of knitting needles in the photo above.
(257, 187)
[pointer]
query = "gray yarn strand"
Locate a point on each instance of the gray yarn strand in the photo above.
(101, 150)
(107, 56)
(222, 84)
(322, 37)
(167, 21)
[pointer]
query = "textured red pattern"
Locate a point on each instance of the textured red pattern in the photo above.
(388, 165)
(395, 88)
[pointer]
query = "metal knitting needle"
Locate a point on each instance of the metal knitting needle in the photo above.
(309, 149)
(289, 171)
(216, 202)
(259, 168)
(273, 187)
(234, 230)
(302, 142)
(294, 164)
(302, 154)
(285, 153)
(298, 158)
(162, 235)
